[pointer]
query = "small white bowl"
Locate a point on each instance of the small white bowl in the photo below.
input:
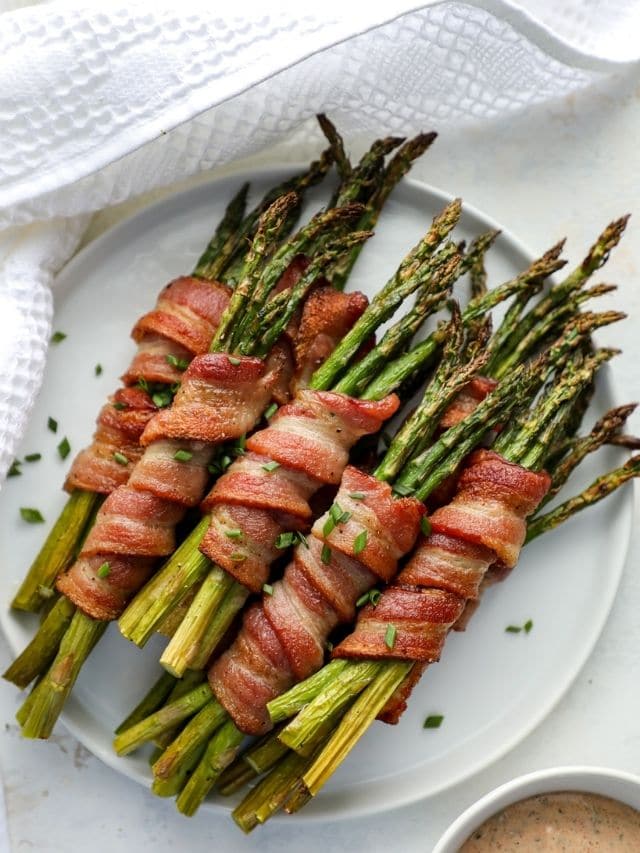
(615, 784)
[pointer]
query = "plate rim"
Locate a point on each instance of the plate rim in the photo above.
(404, 793)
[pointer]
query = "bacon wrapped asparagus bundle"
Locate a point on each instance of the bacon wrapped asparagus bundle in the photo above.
(483, 527)
(180, 326)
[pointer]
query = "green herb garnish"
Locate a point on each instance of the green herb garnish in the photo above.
(267, 589)
(433, 721)
(182, 455)
(52, 424)
(233, 533)
(56, 337)
(270, 411)
(103, 571)
(360, 542)
(120, 458)
(233, 360)
(32, 516)
(325, 555)
(32, 457)
(425, 525)
(178, 363)
(64, 448)
(357, 496)
(270, 466)
(97, 369)
(14, 471)
(390, 636)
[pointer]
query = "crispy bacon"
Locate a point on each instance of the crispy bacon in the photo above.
(187, 312)
(327, 317)
(101, 586)
(305, 446)
(483, 524)
(220, 398)
(119, 427)
(283, 639)
(467, 401)
(156, 360)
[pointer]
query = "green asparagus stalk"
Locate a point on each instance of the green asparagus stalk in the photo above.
(476, 309)
(219, 754)
(152, 701)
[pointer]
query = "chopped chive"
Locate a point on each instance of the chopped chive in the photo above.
(329, 646)
(178, 363)
(513, 629)
(270, 411)
(357, 496)
(233, 533)
(328, 527)
(325, 555)
(528, 625)
(238, 557)
(364, 599)
(142, 383)
(33, 516)
(433, 721)
(103, 571)
(120, 406)
(14, 471)
(56, 337)
(302, 539)
(233, 360)
(32, 457)
(64, 448)
(267, 589)
(162, 399)
(390, 636)
(335, 512)
(97, 369)
(120, 458)
(374, 597)
(425, 525)
(403, 491)
(182, 455)
(239, 446)
(52, 424)
(285, 540)
(214, 468)
(225, 461)
(360, 542)
(271, 466)
(344, 517)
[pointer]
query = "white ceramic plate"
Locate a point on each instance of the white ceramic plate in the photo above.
(492, 687)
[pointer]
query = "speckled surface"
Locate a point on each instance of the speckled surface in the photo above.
(564, 169)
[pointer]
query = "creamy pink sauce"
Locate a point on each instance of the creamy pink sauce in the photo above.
(570, 822)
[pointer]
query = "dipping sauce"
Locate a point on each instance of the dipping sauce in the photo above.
(567, 821)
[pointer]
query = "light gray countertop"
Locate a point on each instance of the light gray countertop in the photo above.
(564, 169)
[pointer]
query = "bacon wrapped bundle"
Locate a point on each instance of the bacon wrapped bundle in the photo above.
(484, 524)
(267, 492)
(283, 638)
(182, 325)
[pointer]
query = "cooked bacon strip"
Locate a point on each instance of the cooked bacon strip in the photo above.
(187, 312)
(327, 317)
(467, 401)
(305, 446)
(220, 398)
(119, 426)
(283, 638)
(103, 593)
(153, 361)
(485, 523)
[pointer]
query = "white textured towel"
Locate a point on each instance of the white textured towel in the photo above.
(99, 104)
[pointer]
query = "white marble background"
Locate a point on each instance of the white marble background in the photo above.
(564, 169)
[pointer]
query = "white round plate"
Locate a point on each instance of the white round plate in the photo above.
(492, 687)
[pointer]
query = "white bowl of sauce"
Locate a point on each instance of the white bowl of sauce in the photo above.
(570, 809)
